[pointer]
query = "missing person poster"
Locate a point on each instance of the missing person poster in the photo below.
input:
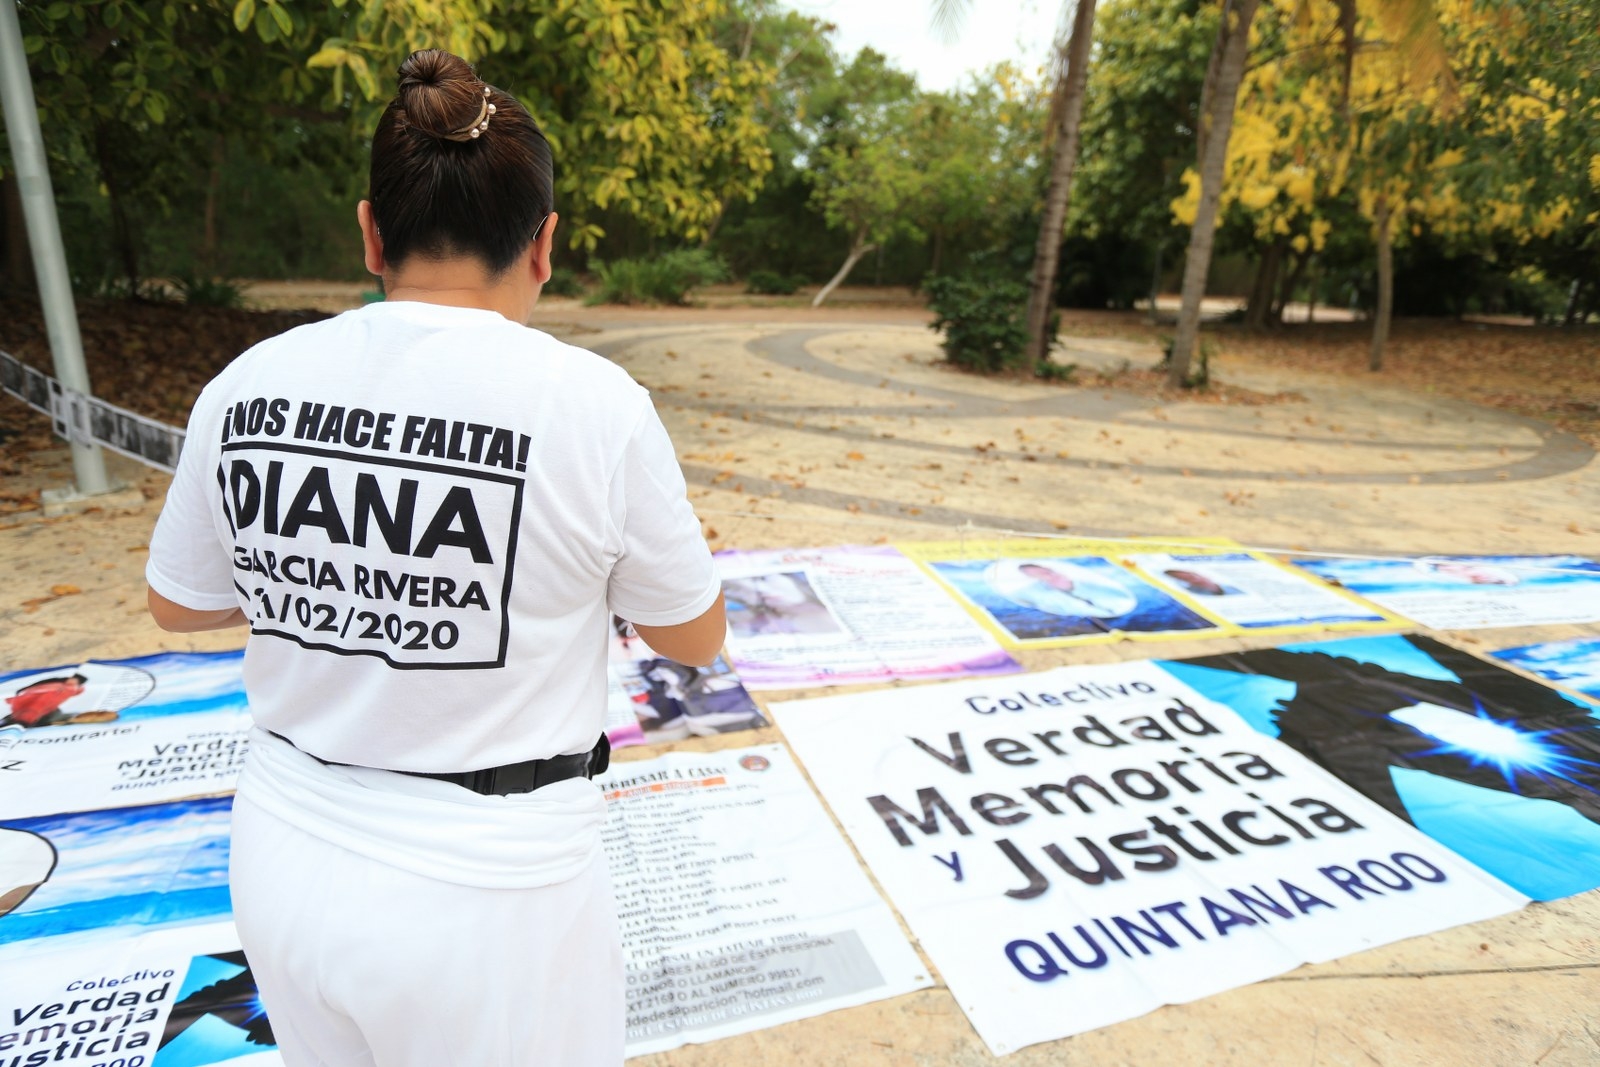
(1080, 846)
(1255, 593)
(175, 998)
(1473, 592)
(799, 618)
(1501, 769)
(1052, 592)
(1574, 664)
(106, 734)
(741, 906)
(651, 699)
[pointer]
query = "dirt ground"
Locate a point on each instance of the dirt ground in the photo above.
(842, 426)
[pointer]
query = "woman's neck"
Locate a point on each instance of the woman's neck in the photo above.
(461, 282)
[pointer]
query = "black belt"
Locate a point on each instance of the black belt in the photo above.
(522, 777)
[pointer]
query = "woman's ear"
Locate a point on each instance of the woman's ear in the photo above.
(371, 239)
(543, 245)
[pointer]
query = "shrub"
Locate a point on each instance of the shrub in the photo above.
(564, 282)
(207, 292)
(1199, 363)
(771, 283)
(664, 279)
(983, 320)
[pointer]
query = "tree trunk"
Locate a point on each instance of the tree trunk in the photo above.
(1155, 277)
(1259, 307)
(1217, 101)
(208, 247)
(123, 244)
(937, 253)
(1291, 282)
(1380, 322)
(712, 227)
(1311, 298)
(1066, 111)
(18, 261)
(1573, 294)
(858, 248)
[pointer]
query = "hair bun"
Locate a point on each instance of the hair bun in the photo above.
(440, 94)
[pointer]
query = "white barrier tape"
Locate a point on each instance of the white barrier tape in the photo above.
(84, 419)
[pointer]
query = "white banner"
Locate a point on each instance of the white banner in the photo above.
(1079, 847)
(741, 905)
(125, 732)
(1473, 592)
(177, 998)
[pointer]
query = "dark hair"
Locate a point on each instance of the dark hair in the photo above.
(437, 191)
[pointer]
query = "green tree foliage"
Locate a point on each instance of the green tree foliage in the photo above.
(1138, 138)
(866, 174)
(646, 111)
(651, 118)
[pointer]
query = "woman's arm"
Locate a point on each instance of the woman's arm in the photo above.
(175, 618)
(694, 643)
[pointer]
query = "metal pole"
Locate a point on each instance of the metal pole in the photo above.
(44, 235)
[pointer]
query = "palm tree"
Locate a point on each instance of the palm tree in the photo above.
(1070, 75)
(1218, 94)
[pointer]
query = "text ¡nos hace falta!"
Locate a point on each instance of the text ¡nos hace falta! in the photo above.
(380, 431)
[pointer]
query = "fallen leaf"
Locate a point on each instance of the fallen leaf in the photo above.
(64, 590)
(854, 455)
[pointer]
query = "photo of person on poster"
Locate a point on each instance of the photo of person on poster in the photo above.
(1054, 598)
(767, 604)
(39, 703)
(1198, 584)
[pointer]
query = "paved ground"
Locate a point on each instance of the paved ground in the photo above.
(797, 428)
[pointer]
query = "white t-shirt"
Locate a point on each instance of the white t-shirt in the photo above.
(428, 514)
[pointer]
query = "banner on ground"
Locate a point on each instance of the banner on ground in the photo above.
(741, 905)
(176, 998)
(799, 618)
(1048, 593)
(1574, 664)
(113, 733)
(652, 699)
(1078, 847)
(1473, 592)
(113, 872)
(1501, 769)
(86, 419)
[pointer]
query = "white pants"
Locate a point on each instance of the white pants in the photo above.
(362, 963)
